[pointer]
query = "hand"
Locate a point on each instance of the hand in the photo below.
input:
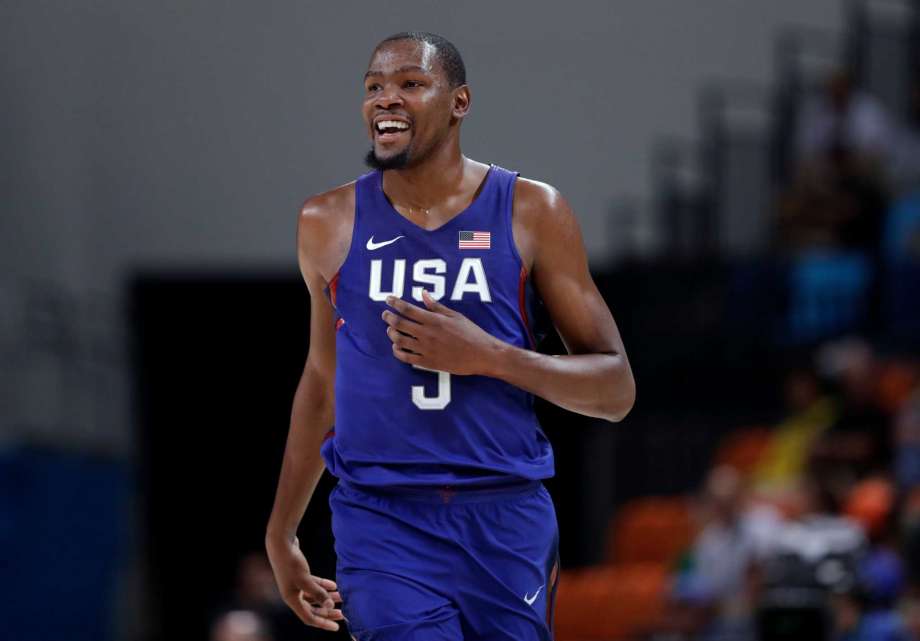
(312, 598)
(439, 338)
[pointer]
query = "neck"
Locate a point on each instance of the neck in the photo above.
(430, 181)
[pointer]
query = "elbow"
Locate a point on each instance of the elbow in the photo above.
(621, 398)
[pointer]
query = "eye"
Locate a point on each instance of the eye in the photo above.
(413, 83)
(373, 87)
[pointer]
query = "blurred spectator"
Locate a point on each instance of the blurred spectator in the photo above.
(734, 534)
(837, 199)
(860, 441)
(867, 612)
(809, 413)
(881, 572)
(255, 592)
(256, 586)
(842, 119)
(239, 625)
(813, 556)
(853, 621)
(711, 592)
(870, 504)
(904, 164)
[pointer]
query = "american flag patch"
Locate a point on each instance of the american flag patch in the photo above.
(475, 240)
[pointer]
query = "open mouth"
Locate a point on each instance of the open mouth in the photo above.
(388, 130)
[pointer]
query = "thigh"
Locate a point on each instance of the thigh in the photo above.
(385, 607)
(391, 570)
(507, 581)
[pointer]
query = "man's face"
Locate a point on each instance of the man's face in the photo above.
(407, 104)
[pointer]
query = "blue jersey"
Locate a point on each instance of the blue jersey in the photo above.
(396, 424)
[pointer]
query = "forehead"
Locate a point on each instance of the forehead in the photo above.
(399, 54)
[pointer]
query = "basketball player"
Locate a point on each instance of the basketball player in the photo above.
(423, 276)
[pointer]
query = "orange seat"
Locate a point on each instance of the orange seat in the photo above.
(743, 449)
(610, 603)
(650, 530)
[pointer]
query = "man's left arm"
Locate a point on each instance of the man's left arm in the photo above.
(593, 379)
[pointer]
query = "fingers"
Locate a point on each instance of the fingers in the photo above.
(406, 357)
(410, 311)
(327, 584)
(313, 588)
(403, 341)
(434, 305)
(330, 586)
(404, 344)
(404, 331)
(314, 603)
(317, 617)
(335, 614)
(401, 323)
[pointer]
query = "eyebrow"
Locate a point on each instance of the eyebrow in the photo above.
(403, 69)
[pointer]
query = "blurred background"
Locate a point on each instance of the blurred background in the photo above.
(747, 178)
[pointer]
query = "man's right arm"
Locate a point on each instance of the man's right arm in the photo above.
(312, 416)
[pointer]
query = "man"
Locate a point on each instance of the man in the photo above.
(421, 276)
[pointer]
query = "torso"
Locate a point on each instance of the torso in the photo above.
(397, 425)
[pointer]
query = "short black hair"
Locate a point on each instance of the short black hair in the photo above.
(447, 53)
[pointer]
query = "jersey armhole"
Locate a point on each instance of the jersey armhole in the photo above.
(525, 289)
(508, 216)
(330, 287)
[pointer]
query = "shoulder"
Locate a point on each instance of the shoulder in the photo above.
(542, 209)
(324, 228)
(327, 208)
(535, 197)
(541, 218)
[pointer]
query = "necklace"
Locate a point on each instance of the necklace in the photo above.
(423, 210)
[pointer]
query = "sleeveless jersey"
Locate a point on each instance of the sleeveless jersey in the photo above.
(398, 425)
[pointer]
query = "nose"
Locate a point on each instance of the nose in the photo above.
(388, 97)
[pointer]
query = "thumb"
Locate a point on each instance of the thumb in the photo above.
(434, 305)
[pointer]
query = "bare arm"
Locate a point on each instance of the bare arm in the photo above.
(312, 415)
(593, 379)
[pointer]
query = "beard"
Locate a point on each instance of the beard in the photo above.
(397, 161)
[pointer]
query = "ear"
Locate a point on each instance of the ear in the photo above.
(462, 99)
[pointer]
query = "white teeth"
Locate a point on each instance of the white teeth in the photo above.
(384, 124)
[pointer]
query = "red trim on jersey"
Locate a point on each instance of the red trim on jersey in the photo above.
(522, 306)
(333, 285)
(329, 435)
(339, 323)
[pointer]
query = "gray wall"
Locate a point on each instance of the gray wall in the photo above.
(187, 133)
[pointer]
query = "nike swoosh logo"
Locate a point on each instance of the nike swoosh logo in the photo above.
(530, 599)
(371, 245)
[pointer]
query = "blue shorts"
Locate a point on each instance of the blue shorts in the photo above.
(446, 565)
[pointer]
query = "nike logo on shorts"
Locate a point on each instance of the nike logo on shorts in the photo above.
(530, 599)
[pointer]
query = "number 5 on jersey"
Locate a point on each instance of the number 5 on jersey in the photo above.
(438, 402)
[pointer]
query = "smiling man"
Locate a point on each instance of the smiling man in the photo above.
(417, 393)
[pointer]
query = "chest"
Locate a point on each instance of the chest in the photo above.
(401, 276)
